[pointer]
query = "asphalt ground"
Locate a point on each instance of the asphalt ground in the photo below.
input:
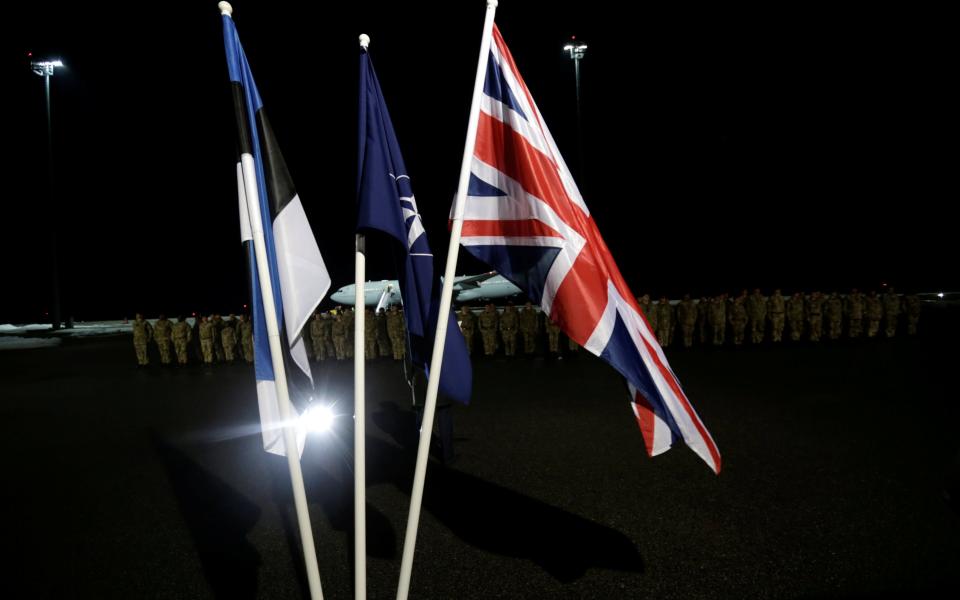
(838, 462)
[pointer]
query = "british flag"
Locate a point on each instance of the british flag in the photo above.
(524, 216)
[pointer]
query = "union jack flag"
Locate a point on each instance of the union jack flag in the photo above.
(525, 217)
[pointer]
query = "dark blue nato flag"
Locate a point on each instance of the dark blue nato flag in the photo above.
(386, 204)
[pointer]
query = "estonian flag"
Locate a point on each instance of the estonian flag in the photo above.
(297, 273)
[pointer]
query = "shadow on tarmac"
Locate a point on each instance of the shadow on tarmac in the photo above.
(219, 519)
(494, 518)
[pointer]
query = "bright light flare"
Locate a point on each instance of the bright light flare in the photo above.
(318, 418)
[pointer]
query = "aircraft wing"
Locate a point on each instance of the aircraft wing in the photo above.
(471, 282)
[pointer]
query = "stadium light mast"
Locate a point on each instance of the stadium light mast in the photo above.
(576, 50)
(46, 69)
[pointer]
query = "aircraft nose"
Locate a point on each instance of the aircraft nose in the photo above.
(339, 296)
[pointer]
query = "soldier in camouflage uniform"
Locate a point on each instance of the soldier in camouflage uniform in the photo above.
(245, 329)
(228, 337)
(316, 337)
(207, 333)
(181, 335)
(854, 310)
(756, 306)
(326, 330)
(529, 327)
(509, 323)
(814, 314)
(488, 322)
(397, 331)
(738, 318)
(718, 318)
(687, 317)
(553, 337)
(891, 311)
(369, 335)
(142, 334)
(703, 319)
(644, 302)
(161, 334)
(468, 325)
(339, 332)
(665, 322)
(572, 345)
(912, 308)
(835, 316)
(383, 338)
(348, 321)
(874, 312)
(217, 324)
(776, 307)
(795, 316)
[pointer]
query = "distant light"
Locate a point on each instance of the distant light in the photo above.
(318, 418)
(45, 67)
(940, 295)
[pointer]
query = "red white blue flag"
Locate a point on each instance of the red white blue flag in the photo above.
(524, 216)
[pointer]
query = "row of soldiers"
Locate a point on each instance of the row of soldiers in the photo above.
(710, 317)
(213, 339)
(332, 334)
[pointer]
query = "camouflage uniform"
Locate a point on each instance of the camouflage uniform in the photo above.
(777, 310)
(339, 332)
(217, 323)
(854, 310)
(553, 337)
(572, 345)
(756, 306)
(207, 333)
(383, 337)
(316, 338)
(142, 334)
(703, 318)
(912, 308)
(509, 322)
(814, 314)
(687, 316)
(348, 332)
(738, 318)
(529, 325)
(181, 334)
(874, 310)
(644, 302)
(228, 337)
(468, 326)
(369, 335)
(718, 318)
(326, 329)
(891, 311)
(161, 334)
(835, 315)
(397, 331)
(488, 321)
(245, 329)
(664, 322)
(795, 316)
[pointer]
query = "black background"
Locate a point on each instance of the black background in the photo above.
(726, 147)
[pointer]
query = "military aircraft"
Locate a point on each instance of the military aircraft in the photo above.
(383, 294)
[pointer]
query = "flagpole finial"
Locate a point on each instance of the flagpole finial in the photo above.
(364, 41)
(225, 8)
(492, 3)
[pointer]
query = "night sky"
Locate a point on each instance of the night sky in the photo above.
(725, 147)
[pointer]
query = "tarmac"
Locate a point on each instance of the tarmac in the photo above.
(841, 464)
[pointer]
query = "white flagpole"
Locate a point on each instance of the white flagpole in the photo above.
(436, 361)
(276, 354)
(359, 428)
(359, 414)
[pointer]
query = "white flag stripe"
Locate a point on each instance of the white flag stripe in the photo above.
(303, 276)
